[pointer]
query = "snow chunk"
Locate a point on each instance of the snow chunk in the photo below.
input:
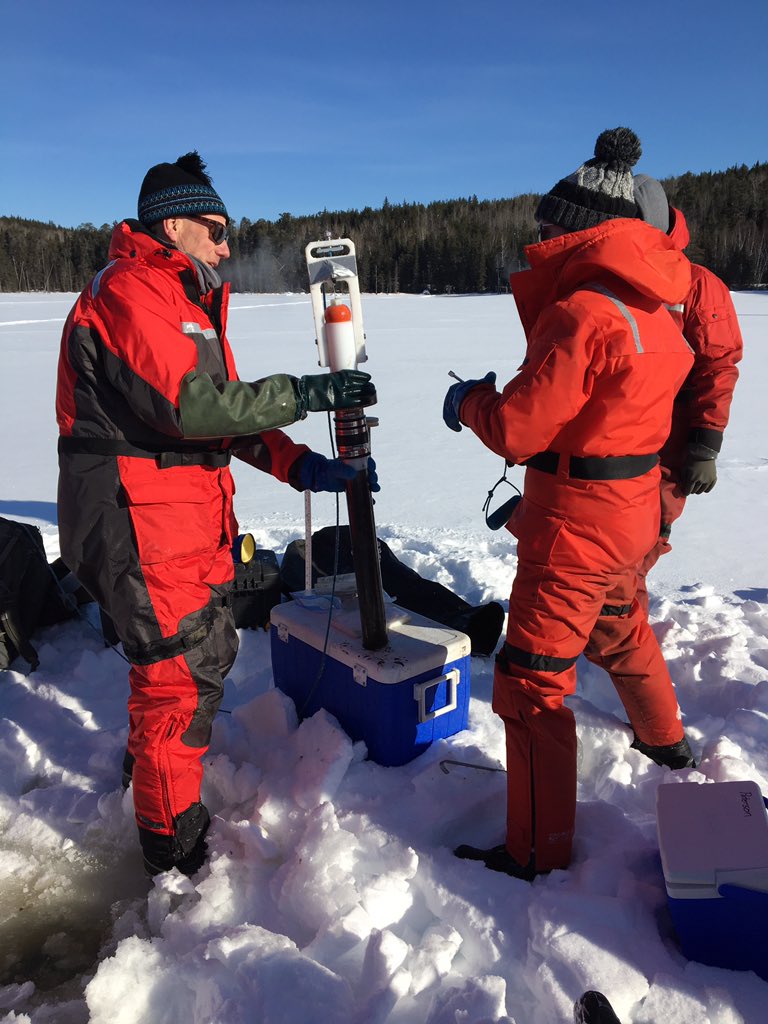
(434, 957)
(384, 954)
(478, 1001)
(324, 753)
(317, 883)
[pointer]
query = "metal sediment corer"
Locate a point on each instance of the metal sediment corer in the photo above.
(341, 346)
(353, 444)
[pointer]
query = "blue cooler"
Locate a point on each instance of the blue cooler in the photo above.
(397, 700)
(713, 840)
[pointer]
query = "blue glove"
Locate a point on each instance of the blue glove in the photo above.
(456, 395)
(316, 473)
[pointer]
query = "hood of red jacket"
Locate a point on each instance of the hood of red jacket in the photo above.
(630, 250)
(678, 229)
(132, 240)
(625, 249)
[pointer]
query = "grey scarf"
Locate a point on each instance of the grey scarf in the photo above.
(207, 278)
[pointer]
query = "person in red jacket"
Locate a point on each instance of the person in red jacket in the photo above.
(586, 414)
(708, 320)
(150, 411)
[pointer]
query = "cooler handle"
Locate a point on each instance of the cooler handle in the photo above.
(420, 691)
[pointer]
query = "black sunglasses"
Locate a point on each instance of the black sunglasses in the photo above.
(544, 230)
(218, 233)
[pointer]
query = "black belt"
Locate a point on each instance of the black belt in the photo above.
(166, 457)
(592, 467)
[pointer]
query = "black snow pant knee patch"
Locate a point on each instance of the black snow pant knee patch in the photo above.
(209, 663)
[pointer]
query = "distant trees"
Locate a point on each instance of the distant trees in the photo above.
(727, 212)
(458, 245)
(44, 257)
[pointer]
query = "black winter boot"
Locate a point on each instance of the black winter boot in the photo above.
(185, 850)
(594, 1008)
(483, 626)
(498, 859)
(675, 756)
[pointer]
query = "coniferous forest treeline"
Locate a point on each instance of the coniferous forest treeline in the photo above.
(459, 245)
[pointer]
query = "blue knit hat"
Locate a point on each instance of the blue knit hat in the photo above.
(183, 189)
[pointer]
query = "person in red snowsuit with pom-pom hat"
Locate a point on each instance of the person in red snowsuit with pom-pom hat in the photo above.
(587, 414)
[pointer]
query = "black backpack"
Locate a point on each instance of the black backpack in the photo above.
(29, 591)
(256, 590)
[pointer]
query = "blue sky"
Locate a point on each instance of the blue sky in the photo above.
(300, 106)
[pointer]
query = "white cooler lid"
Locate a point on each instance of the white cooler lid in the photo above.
(710, 834)
(416, 644)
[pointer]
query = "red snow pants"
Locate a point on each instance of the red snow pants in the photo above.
(672, 505)
(672, 499)
(171, 709)
(574, 591)
(155, 551)
(171, 610)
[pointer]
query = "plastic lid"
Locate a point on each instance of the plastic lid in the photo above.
(415, 644)
(707, 831)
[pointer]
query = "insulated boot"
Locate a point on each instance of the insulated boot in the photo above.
(186, 849)
(498, 859)
(188, 864)
(483, 626)
(594, 1008)
(675, 756)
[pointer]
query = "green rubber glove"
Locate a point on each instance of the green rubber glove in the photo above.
(345, 389)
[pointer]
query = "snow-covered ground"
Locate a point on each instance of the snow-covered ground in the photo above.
(332, 894)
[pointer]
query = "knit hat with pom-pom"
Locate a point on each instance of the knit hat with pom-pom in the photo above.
(601, 189)
(182, 189)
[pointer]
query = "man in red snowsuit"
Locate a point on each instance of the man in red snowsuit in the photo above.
(708, 320)
(150, 410)
(587, 414)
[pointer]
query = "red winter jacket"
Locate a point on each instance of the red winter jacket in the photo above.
(148, 403)
(708, 320)
(603, 363)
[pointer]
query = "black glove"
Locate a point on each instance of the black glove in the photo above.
(699, 473)
(345, 389)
